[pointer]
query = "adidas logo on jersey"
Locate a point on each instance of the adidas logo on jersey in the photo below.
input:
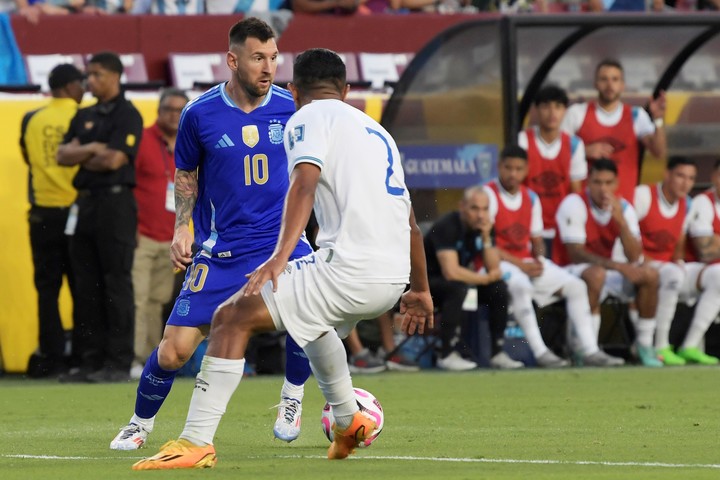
(224, 142)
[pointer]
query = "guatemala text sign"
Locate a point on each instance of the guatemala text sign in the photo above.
(448, 166)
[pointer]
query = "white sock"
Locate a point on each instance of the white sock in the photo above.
(644, 331)
(525, 316)
(634, 317)
(596, 321)
(290, 390)
(671, 278)
(578, 309)
(329, 364)
(705, 312)
(214, 385)
(146, 423)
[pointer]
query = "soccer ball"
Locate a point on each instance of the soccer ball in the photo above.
(369, 406)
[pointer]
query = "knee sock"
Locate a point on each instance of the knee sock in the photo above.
(214, 385)
(667, 302)
(297, 366)
(525, 316)
(153, 387)
(705, 312)
(329, 364)
(578, 309)
(644, 331)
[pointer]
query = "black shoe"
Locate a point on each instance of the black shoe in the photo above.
(75, 375)
(109, 375)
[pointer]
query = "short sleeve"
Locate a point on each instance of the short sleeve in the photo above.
(306, 138)
(127, 133)
(578, 162)
(492, 202)
(702, 213)
(574, 117)
(631, 218)
(188, 149)
(642, 200)
(571, 219)
(536, 222)
(642, 123)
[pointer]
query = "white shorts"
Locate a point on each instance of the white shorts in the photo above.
(312, 298)
(544, 287)
(616, 285)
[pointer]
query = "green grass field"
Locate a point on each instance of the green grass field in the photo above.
(566, 424)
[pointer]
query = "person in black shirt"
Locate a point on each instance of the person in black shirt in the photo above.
(460, 257)
(103, 139)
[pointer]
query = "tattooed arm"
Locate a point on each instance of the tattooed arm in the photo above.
(708, 248)
(186, 191)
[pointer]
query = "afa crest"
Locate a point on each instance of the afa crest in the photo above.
(250, 135)
(275, 132)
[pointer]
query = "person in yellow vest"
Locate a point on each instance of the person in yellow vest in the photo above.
(50, 193)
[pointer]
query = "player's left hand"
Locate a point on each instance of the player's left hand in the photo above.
(657, 106)
(270, 270)
(417, 310)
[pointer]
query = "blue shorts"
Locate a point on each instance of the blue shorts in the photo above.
(210, 281)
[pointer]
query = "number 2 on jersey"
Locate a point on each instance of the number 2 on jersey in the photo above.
(256, 169)
(396, 191)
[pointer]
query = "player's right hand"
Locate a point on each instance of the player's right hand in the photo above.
(270, 270)
(181, 248)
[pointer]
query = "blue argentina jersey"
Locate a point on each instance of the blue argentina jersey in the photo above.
(242, 170)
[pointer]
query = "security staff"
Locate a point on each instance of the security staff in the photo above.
(50, 194)
(103, 139)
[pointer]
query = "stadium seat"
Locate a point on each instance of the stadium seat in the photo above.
(353, 75)
(197, 70)
(135, 76)
(38, 66)
(284, 72)
(383, 69)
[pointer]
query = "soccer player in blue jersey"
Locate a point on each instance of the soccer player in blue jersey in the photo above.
(231, 178)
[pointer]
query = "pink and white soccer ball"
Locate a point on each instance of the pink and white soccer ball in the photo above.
(369, 406)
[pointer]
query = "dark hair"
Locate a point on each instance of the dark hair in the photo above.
(172, 92)
(603, 165)
(551, 93)
(318, 66)
(513, 151)
(677, 160)
(717, 164)
(109, 61)
(608, 62)
(250, 27)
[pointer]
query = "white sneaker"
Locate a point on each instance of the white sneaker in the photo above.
(455, 362)
(131, 437)
(503, 361)
(287, 425)
(550, 360)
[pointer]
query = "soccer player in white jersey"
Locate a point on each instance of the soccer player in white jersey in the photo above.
(556, 159)
(589, 224)
(369, 248)
(702, 280)
(517, 214)
(662, 211)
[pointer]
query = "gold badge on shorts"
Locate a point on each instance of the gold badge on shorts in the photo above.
(250, 135)
(130, 140)
(89, 125)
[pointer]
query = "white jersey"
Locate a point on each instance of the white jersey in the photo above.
(572, 218)
(362, 204)
(643, 200)
(578, 163)
(513, 203)
(702, 215)
(575, 116)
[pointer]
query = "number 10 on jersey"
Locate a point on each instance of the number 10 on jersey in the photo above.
(256, 169)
